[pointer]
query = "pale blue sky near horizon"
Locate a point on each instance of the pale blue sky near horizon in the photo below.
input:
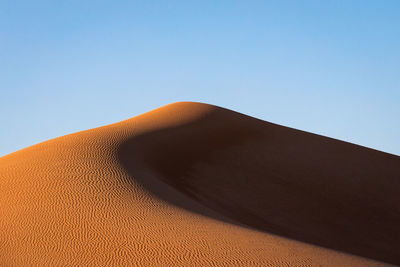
(327, 67)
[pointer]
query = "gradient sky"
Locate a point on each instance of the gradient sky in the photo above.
(328, 67)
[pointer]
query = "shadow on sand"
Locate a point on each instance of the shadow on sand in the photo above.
(275, 179)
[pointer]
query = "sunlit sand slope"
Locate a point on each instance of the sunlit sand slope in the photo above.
(196, 185)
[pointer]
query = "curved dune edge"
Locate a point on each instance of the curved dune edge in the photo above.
(194, 184)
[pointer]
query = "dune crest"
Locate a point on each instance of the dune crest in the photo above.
(195, 184)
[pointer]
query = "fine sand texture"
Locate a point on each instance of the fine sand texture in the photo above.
(192, 184)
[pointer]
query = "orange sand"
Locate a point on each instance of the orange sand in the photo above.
(196, 185)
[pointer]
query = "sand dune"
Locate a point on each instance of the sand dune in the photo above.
(192, 184)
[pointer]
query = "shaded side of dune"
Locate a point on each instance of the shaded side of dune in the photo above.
(276, 179)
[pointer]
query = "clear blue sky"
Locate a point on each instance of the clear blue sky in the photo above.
(328, 67)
